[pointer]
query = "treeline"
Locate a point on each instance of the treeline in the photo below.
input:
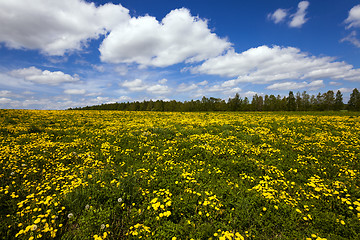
(298, 102)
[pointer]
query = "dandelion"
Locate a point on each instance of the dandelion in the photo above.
(87, 207)
(70, 215)
(102, 227)
(34, 227)
(120, 200)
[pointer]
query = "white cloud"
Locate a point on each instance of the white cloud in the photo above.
(122, 70)
(268, 64)
(140, 85)
(163, 81)
(233, 91)
(345, 90)
(298, 19)
(278, 16)
(5, 93)
(250, 94)
(353, 19)
(158, 89)
(5, 100)
(297, 85)
(134, 85)
(352, 39)
(186, 87)
(333, 83)
(56, 27)
(203, 83)
(178, 37)
(99, 68)
(33, 74)
(75, 91)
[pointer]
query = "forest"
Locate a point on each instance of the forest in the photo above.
(328, 101)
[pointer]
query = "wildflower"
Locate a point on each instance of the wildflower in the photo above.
(102, 226)
(120, 200)
(70, 215)
(34, 227)
(87, 207)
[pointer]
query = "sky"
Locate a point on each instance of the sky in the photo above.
(73, 53)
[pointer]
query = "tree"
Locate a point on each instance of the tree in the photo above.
(354, 102)
(291, 104)
(234, 103)
(339, 105)
(257, 103)
(320, 102)
(298, 102)
(329, 100)
(305, 101)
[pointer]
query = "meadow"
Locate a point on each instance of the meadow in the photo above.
(158, 175)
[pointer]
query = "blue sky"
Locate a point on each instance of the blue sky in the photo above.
(71, 53)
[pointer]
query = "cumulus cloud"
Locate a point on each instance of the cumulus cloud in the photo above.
(353, 20)
(5, 93)
(140, 85)
(158, 89)
(178, 37)
(35, 75)
(134, 85)
(75, 91)
(268, 64)
(352, 39)
(295, 20)
(186, 87)
(5, 100)
(163, 81)
(314, 85)
(333, 83)
(278, 16)
(345, 90)
(56, 27)
(298, 19)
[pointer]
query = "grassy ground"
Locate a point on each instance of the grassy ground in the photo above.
(151, 175)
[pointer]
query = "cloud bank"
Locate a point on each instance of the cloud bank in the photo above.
(55, 27)
(177, 38)
(35, 75)
(267, 64)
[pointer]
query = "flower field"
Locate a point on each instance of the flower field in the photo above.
(157, 175)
